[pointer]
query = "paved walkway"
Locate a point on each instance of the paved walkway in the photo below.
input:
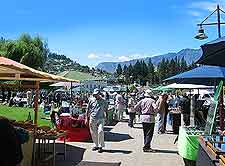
(124, 144)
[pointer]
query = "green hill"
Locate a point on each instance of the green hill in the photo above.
(77, 75)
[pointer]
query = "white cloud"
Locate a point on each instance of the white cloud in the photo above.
(207, 5)
(129, 57)
(114, 58)
(204, 5)
(194, 13)
(93, 56)
(123, 58)
(136, 56)
(108, 56)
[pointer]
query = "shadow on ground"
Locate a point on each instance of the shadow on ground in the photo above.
(107, 128)
(117, 151)
(116, 137)
(88, 163)
(74, 155)
(166, 151)
(138, 127)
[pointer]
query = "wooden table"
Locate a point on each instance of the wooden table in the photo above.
(41, 147)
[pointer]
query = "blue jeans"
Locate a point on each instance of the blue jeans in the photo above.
(161, 127)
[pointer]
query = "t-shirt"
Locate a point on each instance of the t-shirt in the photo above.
(148, 110)
(96, 108)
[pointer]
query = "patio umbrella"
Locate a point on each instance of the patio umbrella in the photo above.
(213, 53)
(206, 75)
(186, 86)
(162, 88)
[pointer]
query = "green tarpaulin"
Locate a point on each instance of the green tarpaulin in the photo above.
(187, 145)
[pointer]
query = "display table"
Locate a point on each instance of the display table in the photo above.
(211, 151)
(44, 148)
(76, 129)
(206, 156)
(188, 143)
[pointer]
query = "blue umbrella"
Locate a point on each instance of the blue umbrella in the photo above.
(206, 75)
(213, 53)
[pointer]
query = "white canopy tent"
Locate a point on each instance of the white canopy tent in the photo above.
(66, 84)
(187, 86)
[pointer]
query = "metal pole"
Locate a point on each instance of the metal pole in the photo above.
(192, 113)
(218, 18)
(71, 93)
(221, 111)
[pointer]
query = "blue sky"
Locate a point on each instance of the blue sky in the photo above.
(93, 31)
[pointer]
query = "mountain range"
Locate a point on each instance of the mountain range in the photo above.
(190, 55)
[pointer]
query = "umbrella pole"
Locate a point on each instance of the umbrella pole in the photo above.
(192, 113)
(36, 102)
(221, 111)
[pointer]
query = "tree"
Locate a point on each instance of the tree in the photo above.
(151, 71)
(183, 65)
(162, 70)
(126, 73)
(137, 71)
(130, 73)
(119, 70)
(173, 67)
(27, 50)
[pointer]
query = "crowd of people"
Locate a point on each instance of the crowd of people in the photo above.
(143, 107)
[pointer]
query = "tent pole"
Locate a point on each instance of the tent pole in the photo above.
(71, 94)
(36, 102)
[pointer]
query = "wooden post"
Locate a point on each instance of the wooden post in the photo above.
(36, 102)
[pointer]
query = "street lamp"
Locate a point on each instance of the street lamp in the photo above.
(201, 35)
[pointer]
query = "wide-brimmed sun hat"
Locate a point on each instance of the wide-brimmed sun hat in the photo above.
(96, 92)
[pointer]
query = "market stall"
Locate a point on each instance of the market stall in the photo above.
(75, 127)
(11, 70)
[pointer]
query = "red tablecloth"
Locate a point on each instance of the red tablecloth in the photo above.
(75, 127)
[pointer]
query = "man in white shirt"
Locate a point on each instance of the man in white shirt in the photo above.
(148, 110)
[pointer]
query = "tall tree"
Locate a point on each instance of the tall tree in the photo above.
(126, 73)
(27, 50)
(119, 70)
(137, 71)
(183, 65)
(151, 71)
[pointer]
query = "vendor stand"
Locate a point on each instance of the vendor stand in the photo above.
(75, 127)
(11, 70)
(46, 147)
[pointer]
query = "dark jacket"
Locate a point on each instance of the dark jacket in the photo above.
(10, 147)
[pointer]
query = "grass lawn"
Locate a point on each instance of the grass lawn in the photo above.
(77, 75)
(21, 114)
